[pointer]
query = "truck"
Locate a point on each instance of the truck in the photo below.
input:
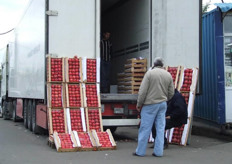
(139, 29)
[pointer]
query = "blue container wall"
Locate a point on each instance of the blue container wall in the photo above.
(209, 105)
(220, 68)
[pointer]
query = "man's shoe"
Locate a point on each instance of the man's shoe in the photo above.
(155, 155)
(166, 146)
(134, 154)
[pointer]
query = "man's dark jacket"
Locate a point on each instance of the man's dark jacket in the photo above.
(177, 109)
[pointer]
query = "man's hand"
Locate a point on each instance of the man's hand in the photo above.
(138, 108)
(168, 117)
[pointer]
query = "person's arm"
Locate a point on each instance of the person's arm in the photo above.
(170, 89)
(143, 90)
(111, 50)
(101, 49)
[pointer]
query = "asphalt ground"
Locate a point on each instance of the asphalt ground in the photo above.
(20, 146)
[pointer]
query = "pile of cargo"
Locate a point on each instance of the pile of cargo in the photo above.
(185, 81)
(74, 108)
(130, 80)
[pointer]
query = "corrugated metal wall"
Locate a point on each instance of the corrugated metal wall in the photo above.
(207, 104)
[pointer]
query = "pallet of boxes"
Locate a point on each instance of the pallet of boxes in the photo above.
(185, 81)
(74, 115)
(130, 80)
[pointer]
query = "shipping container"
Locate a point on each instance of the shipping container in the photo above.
(214, 103)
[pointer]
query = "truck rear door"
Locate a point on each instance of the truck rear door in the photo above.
(73, 28)
(175, 32)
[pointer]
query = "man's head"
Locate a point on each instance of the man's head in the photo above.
(158, 62)
(106, 35)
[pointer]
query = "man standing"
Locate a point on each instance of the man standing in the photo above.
(106, 51)
(156, 88)
(176, 114)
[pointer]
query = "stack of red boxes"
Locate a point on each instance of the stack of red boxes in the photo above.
(130, 80)
(57, 105)
(187, 80)
(74, 105)
(76, 115)
(92, 102)
(175, 72)
(187, 86)
(73, 74)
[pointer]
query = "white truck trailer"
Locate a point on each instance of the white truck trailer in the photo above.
(139, 28)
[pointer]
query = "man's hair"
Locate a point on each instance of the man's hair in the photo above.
(106, 32)
(158, 62)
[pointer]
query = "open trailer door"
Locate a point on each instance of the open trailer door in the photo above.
(76, 23)
(175, 31)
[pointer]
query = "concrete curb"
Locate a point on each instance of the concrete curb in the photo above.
(212, 130)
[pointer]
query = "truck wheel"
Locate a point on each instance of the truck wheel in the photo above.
(29, 115)
(1, 110)
(112, 128)
(35, 127)
(14, 116)
(4, 111)
(25, 113)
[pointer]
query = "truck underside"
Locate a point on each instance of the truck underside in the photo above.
(117, 110)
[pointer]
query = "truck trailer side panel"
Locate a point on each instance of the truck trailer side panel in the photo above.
(28, 63)
(72, 27)
(3, 54)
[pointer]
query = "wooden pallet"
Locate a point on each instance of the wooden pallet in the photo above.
(67, 96)
(136, 69)
(58, 143)
(136, 61)
(88, 119)
(99, 145)
(131, 87)
(135, 65)
(128, 89)
(67, 71)
(49, 74)
(130, 79)
(129, 83)
(49, 95)
(132, 74)
(51, 142)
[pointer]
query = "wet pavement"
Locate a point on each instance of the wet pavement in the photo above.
(20, 146)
